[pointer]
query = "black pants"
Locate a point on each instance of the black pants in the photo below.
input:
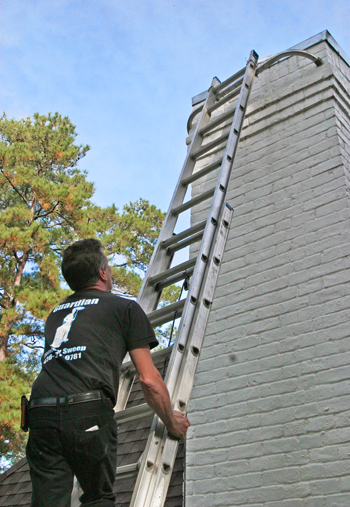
(59, 447)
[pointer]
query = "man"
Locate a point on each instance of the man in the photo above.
(72, 428)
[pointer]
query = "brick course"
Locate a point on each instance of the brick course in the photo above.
(270, 407)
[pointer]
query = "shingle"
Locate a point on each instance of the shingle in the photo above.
(17, 487)
(26, 476)
(4, 489)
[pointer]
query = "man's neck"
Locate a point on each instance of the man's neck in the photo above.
(98, 286)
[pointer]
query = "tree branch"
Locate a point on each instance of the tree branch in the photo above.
(15, 189)
(65, 219)
(32, 346)
(48, 213)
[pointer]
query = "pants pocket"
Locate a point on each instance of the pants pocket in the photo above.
(93, 444)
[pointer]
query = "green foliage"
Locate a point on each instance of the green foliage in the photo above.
(17, 374)
(128, 239)
(45, 205)
(44, 201)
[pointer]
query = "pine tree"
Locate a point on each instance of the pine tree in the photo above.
(45, 205)
(44, 200)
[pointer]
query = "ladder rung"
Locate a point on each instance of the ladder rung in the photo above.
(234, 86)
(126, 382)
(230, 80)
(220, 119)
(186, 242)
(219, 95)
(207, 147)
(166, 314)
(153, 280)
(157, 357)
(225, 99)
(193, 202)
(184, 234)
(176, 278)
(133, 414)
(127, 472)
(199, 174)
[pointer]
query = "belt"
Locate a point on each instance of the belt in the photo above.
(69, 399)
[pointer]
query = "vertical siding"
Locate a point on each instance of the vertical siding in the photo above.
(270, 406)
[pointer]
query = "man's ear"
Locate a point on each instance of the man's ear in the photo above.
(103, 275)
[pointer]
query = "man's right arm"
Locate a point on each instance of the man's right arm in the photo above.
(156, 392)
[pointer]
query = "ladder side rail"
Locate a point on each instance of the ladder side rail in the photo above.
(209, 232)
(146, 480)
(148, 297)
(160, 260)
(216, 207)
(177, 355)
(147, 474)
(190, 361)
(184, 385)
(125, 385)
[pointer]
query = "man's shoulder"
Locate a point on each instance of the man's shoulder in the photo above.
(110, 296)
(120, 302)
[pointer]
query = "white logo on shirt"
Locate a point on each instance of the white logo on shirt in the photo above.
(62, 332)
(61, 336)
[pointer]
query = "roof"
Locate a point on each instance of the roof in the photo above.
(16, 487)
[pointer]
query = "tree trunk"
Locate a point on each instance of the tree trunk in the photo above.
(21, 265)
(4, 339)
(3, 348)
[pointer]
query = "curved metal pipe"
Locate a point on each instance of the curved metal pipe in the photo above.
(191, 117)
(285, 54)
(276, 58)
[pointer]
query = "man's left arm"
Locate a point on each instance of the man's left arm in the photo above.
(156, 392)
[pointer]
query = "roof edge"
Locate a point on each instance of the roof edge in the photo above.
(12, 469)
(311, 41)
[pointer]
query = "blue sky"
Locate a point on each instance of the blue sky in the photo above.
(124, 71)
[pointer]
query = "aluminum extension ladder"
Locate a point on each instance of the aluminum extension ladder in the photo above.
(156, 464)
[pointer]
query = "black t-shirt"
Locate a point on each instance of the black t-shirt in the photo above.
(86, 339)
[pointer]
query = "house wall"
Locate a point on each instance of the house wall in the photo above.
(270, 406)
